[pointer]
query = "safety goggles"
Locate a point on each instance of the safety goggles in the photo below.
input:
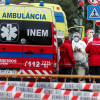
(89, 32)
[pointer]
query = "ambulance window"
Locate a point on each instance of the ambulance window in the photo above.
(10, 31)
(59, 42)
(38, 33)
(59, 17)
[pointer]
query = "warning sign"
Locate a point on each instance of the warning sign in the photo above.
(94, 14)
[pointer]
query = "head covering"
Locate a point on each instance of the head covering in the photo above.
(88, 30)
(76, 33)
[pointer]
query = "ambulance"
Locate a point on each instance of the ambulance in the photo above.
(61, 21)
(62, 25)
(28, 39)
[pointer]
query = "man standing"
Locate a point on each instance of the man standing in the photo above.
(93, 49)
(79, 52)
(67, 60)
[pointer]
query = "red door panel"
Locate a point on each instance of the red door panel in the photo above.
(36, 61)
(11, 55)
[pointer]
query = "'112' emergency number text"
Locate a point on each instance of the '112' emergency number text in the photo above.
(38, 64)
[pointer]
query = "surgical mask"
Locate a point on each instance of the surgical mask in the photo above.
(89, 35)
(76, 39)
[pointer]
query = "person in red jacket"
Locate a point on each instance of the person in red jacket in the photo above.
(67, 60)
(93, 49)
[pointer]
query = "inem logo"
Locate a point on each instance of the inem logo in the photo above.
(37, 32)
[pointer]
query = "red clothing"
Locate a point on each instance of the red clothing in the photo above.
(68, 41)
(66, 54)
(93, 49)
(85, 39)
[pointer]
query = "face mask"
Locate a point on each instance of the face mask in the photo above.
(89, 35)
(76, 39)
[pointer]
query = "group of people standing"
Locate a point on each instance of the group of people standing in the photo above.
(81, 51)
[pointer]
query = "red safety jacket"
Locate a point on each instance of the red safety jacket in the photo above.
(93, 49)
(85, 39)
(66, 55)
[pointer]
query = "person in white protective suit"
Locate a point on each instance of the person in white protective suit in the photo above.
(90, 34)
(79, 53)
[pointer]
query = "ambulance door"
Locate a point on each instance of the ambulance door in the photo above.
(80, 29)
(10, 49)
(38, 49)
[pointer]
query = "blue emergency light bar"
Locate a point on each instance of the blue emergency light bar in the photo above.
(41, 3)
(7, 2)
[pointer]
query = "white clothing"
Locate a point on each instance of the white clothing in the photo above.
(91, 39)
(81, 56)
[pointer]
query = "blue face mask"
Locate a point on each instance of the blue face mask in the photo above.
(76, 39)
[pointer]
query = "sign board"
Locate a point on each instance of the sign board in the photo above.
(94, 2)
(97, 22)
(2, 1)
(93, 12)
